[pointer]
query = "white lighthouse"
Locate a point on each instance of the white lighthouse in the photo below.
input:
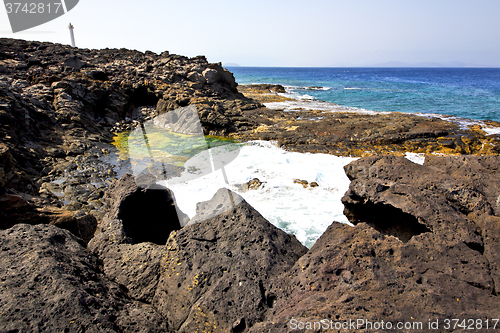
(71, 33)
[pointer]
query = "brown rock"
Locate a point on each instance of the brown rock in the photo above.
(80, 224)
(217, 273)
(253, 184)
(214, 273)
(304, 183)
(51, 283)
(425, 247)
(359, 273)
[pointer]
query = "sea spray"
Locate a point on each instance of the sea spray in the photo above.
(305, 212)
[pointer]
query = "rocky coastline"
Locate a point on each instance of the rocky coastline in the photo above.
(358, 134)
(87, 247)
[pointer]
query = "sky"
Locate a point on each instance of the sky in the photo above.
(317, 33)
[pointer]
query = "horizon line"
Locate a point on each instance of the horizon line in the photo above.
(232, 65)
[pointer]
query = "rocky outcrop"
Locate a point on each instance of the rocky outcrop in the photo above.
(51, 283)
(68, 108)
(264, 93)
(58, 105)
(425, 244)
(222, 268)
(235, 272)
(214, 274)
(424, 248)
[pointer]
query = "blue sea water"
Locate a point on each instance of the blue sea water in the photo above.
(462, 92)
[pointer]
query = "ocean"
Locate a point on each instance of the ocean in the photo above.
(460, 92)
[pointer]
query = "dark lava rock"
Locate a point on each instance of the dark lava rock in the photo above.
(21, 209)
(141, 199)
(51, 283)
(425, 247)
(80, 224)
(223, 201)
(140, 218)
(217, 272)
(359, 273)
(211, 275)
(58, 105)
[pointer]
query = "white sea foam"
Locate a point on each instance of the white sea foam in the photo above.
(304, 212)
(491, 130)
(301, 102)
(416, 157)
(293, 88)
(311, 104)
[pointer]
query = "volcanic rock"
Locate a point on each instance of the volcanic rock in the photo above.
(425, 247)
(51, 283)
(58, 105)
(214, 273)
(217, 272)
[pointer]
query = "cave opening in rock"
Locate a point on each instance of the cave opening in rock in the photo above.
(386, 219)
(149, 215)
(143, 96)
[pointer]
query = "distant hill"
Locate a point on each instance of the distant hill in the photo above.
(231, 64)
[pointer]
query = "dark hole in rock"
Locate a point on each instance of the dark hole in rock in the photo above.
(386, 219)
(239, 326)
(270, 300)
(143, 96)
(476, 247)
(149, 215)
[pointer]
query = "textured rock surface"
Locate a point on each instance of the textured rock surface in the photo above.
(58, 105)
(140, 218)
(425, 245)
(214, 274)
(359, 273)
(217, 272)
(50, 283)
(428, 250)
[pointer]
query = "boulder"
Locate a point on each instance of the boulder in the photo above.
(139, 199)
(210, 75)
(360, 273)
(196, 77)
(129, 239)
(425, 247)
(214, 273)
(80, 223)
(217, 273)
(73, 62)
(16, 209)
(252, 184)
(223, 201)
(51, 283)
